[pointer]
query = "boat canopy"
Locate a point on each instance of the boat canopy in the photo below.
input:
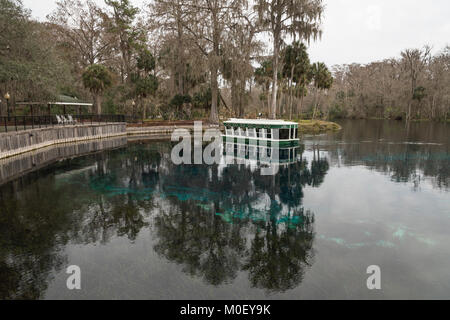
(260, 123)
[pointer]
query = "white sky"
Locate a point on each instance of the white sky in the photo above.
(359, 30)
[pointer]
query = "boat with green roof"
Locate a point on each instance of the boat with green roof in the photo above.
(262, 132)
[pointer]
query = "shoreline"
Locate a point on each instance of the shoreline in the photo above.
(317, 126)
(305, 127)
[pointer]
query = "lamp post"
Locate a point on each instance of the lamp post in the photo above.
(7, 97)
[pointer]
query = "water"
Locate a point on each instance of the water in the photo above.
(139, 227)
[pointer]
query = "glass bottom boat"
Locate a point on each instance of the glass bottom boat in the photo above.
(262, 132)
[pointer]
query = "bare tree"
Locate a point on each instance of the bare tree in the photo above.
(80, 26)
(240, 46)
(414, 61)
(208, 21)
(170, 16)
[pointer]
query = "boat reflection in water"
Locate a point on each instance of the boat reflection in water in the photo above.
(253, 154)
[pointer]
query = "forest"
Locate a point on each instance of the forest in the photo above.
(206, 59)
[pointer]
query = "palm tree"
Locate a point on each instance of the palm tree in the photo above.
(297, 69)
(97, 78)
(322, 79)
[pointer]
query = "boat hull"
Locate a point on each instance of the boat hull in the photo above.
(261, 142)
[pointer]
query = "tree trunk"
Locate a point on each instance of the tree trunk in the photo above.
(234, 96)
(291, 98)
(276, 42)
(98, 103)
(144, 109)
(300, 108)
(408, 116)
(180, 57)
(241, 97)
(316, 102)
(214, 116)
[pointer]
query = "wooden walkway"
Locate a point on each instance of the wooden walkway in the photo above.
(14, 143)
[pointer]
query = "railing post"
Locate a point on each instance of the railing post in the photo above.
(6, 124)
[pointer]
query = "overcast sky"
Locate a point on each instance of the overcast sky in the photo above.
(359, 30)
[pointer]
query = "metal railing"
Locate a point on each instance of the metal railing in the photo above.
(20, 123)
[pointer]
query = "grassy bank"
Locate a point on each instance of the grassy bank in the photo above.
(317, 126)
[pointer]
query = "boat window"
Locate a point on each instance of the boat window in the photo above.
(269, 133)
(251, 133)
(259, 133)
(284, 134)
(296, 133)
(283, 154)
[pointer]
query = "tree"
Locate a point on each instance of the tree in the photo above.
(388, 89)
(208, 22)
(263, 76)
(297, 69)
(299, 18)
(80, 28)
(171, 16)
(128, 36)
(438, 84)
(414, 61)
(31, 68)
(240, 46)
(144, 81)
(322, 79)
(97, 78)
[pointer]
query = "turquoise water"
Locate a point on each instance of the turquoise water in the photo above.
(140, 227)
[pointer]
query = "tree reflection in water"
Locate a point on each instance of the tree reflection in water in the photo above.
(240, 221)
(215, 221)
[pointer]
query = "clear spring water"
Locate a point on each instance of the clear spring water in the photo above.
(139, 227)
